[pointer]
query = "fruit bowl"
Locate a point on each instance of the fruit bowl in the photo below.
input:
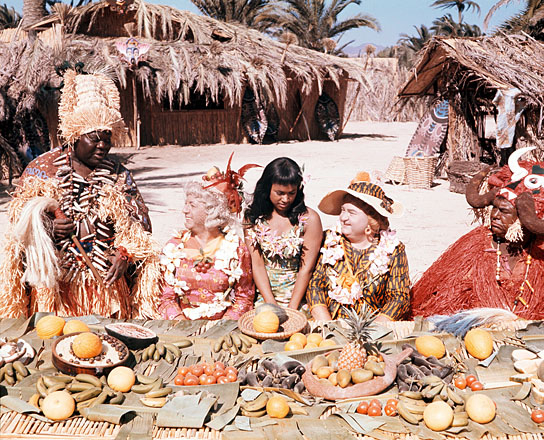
(114, 353)
(133, 335)
(295, 323)
(375, 386)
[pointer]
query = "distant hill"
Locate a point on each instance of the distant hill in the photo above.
(354, 51)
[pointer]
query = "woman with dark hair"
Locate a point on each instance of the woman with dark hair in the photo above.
(283, 235)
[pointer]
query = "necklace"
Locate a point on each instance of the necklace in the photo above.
(521, 290)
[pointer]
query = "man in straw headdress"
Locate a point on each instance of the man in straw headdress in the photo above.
(362, 262)
(79, 240)
(499, 264)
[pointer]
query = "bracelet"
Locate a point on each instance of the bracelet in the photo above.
(124, 254)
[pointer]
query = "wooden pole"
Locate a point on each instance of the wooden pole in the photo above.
(351, 109)
(88, 261)
(297, 118)
(136, 116)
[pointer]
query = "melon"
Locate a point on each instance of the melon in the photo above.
(480, 408)
(479, 343)
(429, 345)
(438, 416)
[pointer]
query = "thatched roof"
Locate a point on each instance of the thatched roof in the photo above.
(499, 62)
(187, 52)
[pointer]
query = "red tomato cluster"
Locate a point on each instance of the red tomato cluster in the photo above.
(206, 374)
(374, 407)
(470, 381)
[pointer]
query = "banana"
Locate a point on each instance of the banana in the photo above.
(151, 351)
(157, 402)
(248, 339)
(145, 380)
(162, 392)
(233, 350)
(89, 378)
(444, 393)
(161, 349)
(34, 399)
(217, 345)
(2, 374)
(87, 394)
(253, 413)
(457, 399)
(19, 367)
(432, 379)
(169, 357)
(412, 401)
(157, 384)
(460, 419)
(414, 409)
(416, 395)
(10, 380)
(8, 368)
(85, 403)
(172, 349)
(184, 343)
(257, 404)
(236, 340)
(407, 415)
(104, 380)
(145, 356)
(76, 387)
(142, 389)
(433, 391)
(297, 410)
(57, 387)
(109, 391)
(156, 356)
(40, 387)
(244, 349)
(118, 399)
(50, 381)
(18, 376)
(100, 399)
(228, 340)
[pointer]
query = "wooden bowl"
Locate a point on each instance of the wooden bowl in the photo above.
(133, 335)
(296, 322)
(370, 388)
(68, 363)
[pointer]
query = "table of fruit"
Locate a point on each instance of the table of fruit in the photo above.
(271, 375)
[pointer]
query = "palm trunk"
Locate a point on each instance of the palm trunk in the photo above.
(33, 10)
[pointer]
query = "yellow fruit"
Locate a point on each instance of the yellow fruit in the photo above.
(59, 405)
(480, 408)
(75, 326)
(292, 345)
(49, 326)
(86, 345)
(479, 343)
(298, 337)
(277, 407)
(438, 416)
(310, 345)
(266, 322)
(327, 343)
(121, 379)
(314, 338)
(429, 345)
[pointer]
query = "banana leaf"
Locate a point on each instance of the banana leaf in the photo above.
(12, 328)
(423, 432)
(106, 413)
(332, 428)
(242, 423)
(223, 419)
(185, 412)
(226, 393)
(285, 429)
(360, 423)
(221, 328)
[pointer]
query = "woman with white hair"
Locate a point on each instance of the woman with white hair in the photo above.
(206, 266)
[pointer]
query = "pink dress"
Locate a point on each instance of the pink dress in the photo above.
(226, 290)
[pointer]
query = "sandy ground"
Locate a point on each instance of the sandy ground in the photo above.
(433, 218)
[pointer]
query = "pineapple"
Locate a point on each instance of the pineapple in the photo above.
(354, 354)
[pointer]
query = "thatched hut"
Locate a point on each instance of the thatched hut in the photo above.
(469, 72)
(188, 88)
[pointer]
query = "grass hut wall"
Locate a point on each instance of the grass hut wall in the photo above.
(188, 88)
(469, 72)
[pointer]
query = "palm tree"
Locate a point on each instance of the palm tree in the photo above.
(446, 26)
(461, 5)
(314, 21)
(33, 11)
(9, 17)
(529, 20)
(240, 11)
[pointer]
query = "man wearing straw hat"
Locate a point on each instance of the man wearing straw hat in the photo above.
(78, 224)
(362, 261)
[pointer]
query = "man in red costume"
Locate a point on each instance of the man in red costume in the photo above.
(499, 264)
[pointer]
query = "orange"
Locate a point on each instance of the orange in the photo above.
(292, 345)
(327, 343)
(298, 337)
(121, 379)
(314, 338)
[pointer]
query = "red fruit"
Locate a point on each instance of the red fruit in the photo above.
(537, 416)
(208, 370)
(363, 407)
(222, 379)
(219, 365)
(476, 386)
(218, 373)
(390, 410)
(190, 379)
(375, 402)
(210, 380)
(392, 402)
(231, 370)
(460, 382)
(231, 377)
(179, 380)
(183, 371)
(197, 370)
(202, 379)
(374, 411)
(471, 378)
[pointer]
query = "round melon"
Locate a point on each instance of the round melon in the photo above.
(49, 326)
(59, 405)
(438, 416)
(479, 343)
(429, 345)
(480, 408)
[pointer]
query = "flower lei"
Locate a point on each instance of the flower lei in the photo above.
(226, 261)
(286, 245)
(345, 288)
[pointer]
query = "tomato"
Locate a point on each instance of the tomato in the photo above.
(219, 365)
(231, 377)
(231, 370)
(363, 407)
(179, 380)
(222, 379)
(390, 410)
(183, 371)
(392, 402)
(460, 382)
(197, 370)
(209, 369)
(218, 373)
(191, 379)
(374, 411)
(476, 386)
(375, 402)
(537, 415)
(470, 378)
(210, 380)
(202, 379)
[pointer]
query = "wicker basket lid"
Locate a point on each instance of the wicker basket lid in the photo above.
(295, 323)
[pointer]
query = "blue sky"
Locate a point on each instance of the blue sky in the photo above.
(395, 16)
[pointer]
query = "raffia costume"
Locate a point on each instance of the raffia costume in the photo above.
(106, 203)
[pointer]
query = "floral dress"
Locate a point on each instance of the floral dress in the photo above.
(281, 254)
(225, 290)
(349, 277)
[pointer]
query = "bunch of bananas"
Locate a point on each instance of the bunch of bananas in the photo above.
(234, 343)
(14, 372)
(153, 390)
(162, 350)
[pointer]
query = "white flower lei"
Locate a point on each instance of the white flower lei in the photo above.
(379, 263)
(226, 260)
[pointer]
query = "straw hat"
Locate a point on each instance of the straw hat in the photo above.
(369, 193)
(88, 103)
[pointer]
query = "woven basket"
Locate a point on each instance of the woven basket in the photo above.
(420, 171)
(295, 323)
(396, 171)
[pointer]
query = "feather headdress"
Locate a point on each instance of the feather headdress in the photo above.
(460, 323)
